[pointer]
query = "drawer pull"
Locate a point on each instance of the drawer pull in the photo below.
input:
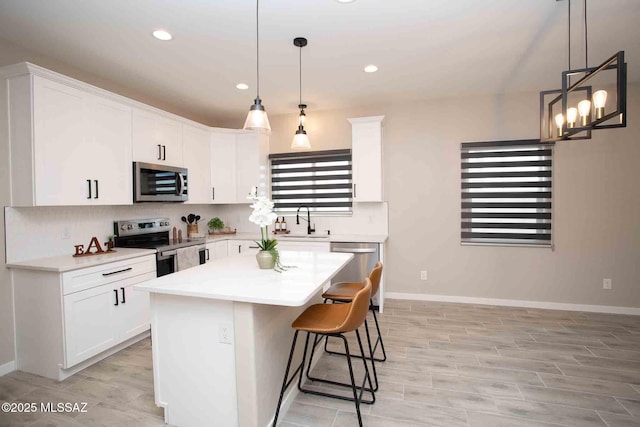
(123, 299)
(254, 247)
(116, 292)
(116, 272)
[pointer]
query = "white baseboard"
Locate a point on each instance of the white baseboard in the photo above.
(7, 368)
(515, 303)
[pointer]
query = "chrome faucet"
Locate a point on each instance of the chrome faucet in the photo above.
(309, 228)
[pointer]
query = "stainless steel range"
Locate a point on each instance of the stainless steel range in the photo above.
(153, 233)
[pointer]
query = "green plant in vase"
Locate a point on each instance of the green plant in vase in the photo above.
(215, 224)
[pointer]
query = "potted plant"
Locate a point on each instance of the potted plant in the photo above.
(263, 215)
(215, 224)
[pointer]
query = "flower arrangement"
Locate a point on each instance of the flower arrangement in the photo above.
(263, 216)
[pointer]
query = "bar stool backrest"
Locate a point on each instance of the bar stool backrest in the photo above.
(374, 276)
(358, 310)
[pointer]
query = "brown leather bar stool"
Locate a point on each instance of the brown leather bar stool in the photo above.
(332, 320)
(344, 292)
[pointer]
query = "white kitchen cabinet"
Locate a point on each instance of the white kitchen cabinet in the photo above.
(311, 246)
(223, 167)
(156, 139)
(67, 321)
(252, 159)
(68, 146)
(196, 153)
(366, 147)
(239, 162)
(242, 247)
(216, 250)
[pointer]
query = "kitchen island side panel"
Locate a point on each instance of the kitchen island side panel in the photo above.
(194, 373)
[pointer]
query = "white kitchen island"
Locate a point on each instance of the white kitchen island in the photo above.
(221, 334)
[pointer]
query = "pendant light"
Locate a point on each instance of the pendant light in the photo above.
(559, 105)
(300, 139)
(257, 118)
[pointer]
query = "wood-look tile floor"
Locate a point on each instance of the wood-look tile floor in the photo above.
(448, 365)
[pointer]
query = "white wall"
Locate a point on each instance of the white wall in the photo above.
(596, 202)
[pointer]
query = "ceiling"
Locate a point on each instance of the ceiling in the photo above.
(425, 49)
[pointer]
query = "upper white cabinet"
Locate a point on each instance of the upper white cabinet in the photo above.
(252, 160)
(366, 146)
(68, 146)
(156, 139)
(196, 153)
(239, 161)
(223, 167)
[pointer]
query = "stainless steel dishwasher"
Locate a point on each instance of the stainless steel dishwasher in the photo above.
(365, 257)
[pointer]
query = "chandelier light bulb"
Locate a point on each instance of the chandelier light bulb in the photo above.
(584, 107)
(599, 101)
(572, 116)
(559, 118)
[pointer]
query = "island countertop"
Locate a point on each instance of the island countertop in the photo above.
(239, 279)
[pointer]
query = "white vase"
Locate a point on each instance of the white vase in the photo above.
(265, 260)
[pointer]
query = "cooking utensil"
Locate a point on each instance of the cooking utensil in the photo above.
(191, 218)
(197, 218)
(184, 219)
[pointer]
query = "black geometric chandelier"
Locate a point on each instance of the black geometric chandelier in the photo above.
(596, 100)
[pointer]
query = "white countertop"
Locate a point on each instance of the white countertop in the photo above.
(358, 238)
(62, 263)
(238, 278)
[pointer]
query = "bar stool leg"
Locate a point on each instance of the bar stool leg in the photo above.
(367, 376)
(379, 339)
(285, 384)
(356, 399)
(373, 363)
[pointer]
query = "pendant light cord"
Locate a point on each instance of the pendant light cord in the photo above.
(300, 75)
(569, 34)
(257, 51)
(586, 40)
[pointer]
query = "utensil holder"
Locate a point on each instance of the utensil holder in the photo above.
(192, 229)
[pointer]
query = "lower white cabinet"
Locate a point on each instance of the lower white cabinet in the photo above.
(304, 246)
(64, 319)
(216, 250)
(238, 247)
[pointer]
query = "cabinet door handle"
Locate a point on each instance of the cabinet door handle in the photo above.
(123, 299)
(89, 185)
(96, 181)
(164, 152)
(116, 272)
(159, 152)
(354, 191)
(116, 292)
(207, 250)
(254, 247)
(213, 193)
(239, 249)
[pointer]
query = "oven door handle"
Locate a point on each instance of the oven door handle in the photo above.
(167, 254)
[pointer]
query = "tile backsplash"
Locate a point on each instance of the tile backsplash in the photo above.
(50, 231)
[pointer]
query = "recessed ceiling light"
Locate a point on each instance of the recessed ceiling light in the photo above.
(345, 1)
(370, 69)
(162, 35)
(242, 86)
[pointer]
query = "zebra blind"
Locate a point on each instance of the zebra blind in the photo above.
(507, 192)
(320, 180)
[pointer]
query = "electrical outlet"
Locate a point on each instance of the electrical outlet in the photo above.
(606, 284)
(423, 275)
(225, 333)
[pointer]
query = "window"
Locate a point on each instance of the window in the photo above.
(507, 192)
(320, 180)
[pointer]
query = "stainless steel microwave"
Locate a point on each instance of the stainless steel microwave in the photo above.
(159, 183)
